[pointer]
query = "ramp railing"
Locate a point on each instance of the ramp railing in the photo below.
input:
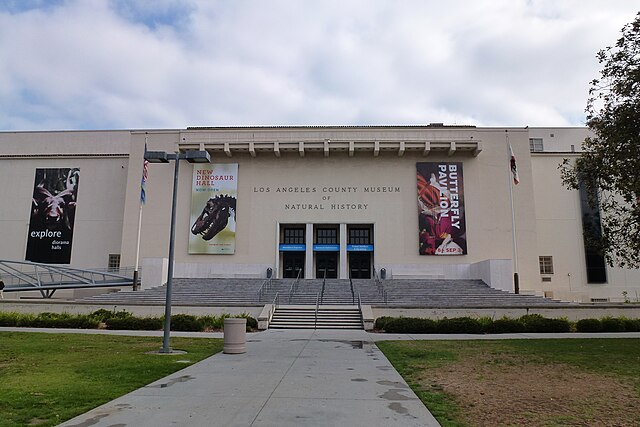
(20, 276)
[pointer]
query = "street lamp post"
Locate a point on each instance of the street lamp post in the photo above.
(192, 156)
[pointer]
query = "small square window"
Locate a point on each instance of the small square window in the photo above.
(114, 262)
(535, 145)
(546, 265)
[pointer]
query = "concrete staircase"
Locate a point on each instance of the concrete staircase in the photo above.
(304, 317)
(431, 293)
(189, 292)
(443, 293)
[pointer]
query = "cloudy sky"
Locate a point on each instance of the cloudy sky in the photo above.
(121, 64)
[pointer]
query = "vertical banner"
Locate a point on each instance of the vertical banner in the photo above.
(53, 211)
(441, 219)
(213, 209)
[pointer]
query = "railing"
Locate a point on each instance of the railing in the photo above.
(276, 300)
(45, 278)
(324, 283)
(315, 322)
(294, 286)
(353, 296)
(264, 288)
(381, 290)
(360, 310)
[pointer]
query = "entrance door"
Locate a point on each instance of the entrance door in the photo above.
(327, 261)
(292, 262)
(360, 265)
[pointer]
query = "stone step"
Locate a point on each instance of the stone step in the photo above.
(304, 317)
(409, 292)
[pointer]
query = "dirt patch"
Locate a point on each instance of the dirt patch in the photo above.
(495, 390)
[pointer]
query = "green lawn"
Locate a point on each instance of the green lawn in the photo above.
(49, 378)
(521, 382)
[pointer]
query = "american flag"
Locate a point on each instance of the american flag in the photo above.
(514, 167)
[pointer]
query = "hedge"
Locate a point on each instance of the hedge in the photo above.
(118, 320)
(534, 323)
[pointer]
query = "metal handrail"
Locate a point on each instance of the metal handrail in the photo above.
(360, 309)
(315, 322)
(381, 290)
(291, 291)
(262, 290)
(324, 282)
(353, 297)
(276, 300)
(294, 286)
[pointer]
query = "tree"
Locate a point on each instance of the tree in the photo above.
(608, 168)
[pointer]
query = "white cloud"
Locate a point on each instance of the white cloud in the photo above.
(123, 64)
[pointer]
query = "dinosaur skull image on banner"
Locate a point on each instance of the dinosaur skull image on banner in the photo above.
(213, 209)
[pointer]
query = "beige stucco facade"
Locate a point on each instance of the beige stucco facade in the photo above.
(317, 177)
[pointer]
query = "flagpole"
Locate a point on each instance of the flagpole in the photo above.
(516, 281)
(136, 286)
(135, 271)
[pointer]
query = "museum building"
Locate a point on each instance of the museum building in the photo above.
(428, 201)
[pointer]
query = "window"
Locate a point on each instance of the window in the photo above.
(535, 145)
(294, 236)
(359, 236)
(546, 265)
(114, 262)
(327, 236)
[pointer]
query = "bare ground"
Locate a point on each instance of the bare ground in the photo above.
(495, 390)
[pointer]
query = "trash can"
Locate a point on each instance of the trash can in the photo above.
(235, 335)
(383, 273)
(269, 272)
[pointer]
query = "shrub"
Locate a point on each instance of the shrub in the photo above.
(612, 324)
(135, 323)
(381, 322)
(537, 323)
(80, 321)
(215, 323)
(9, 318)
(24, 320)
(506, 325)
(252, 324)
(589, 325)
(48, 320)
(631, 325)
(186, 322)
(411, 325)
(459, 325)
(104, 314)
(486, 323)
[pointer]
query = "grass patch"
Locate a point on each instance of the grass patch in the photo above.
(49, 378)
(523, 382)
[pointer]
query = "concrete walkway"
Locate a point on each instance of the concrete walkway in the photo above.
(286, 378)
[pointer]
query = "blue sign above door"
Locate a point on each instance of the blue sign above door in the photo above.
(359, 248)
(326, 248)
(292, 248)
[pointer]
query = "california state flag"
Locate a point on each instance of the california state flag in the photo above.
(514, 167)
